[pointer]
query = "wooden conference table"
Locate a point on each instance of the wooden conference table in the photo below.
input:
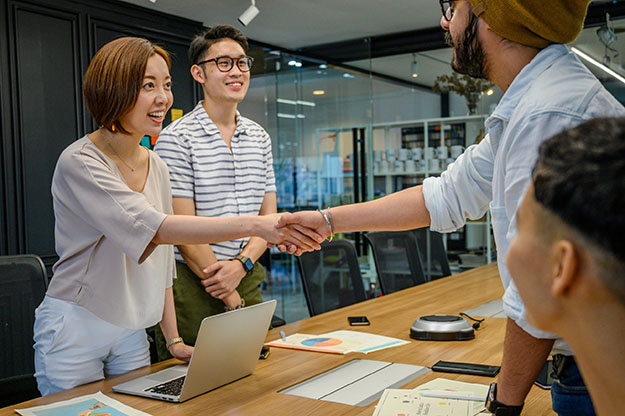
(390, 315)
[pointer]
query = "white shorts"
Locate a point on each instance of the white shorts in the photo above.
(74, 347)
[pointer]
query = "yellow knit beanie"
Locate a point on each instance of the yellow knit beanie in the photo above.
(535, 23)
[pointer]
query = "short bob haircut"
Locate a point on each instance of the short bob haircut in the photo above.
(114, 78)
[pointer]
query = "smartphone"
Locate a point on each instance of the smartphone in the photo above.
(358, 320)
(466, 368)
(264, 352)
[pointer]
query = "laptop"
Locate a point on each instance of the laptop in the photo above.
(227, 348)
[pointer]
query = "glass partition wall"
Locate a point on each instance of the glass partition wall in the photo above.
(328, 126)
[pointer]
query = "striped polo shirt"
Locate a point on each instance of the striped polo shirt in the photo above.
(222, 183)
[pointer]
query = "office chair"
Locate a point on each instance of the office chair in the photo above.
(439, 266)
(331, 277)
(397, 260)
(23, 284)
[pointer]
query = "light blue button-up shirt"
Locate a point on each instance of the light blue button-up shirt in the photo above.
(555, 91)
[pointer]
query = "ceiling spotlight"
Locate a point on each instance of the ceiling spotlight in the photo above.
(414, 67)
(318, 92)
(249, 14)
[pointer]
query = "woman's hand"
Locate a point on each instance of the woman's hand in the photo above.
(181, 351)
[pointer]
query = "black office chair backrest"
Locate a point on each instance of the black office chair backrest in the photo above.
(439, 263)
(396, 260)
(331, 277)
(23, 284)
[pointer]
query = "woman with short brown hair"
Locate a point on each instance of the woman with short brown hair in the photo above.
(114, 229)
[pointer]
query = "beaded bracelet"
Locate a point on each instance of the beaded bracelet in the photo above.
(242, 305)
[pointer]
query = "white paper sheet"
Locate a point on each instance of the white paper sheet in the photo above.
(88, 405)
(410, 402)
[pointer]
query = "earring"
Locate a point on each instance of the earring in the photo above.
(113, 128)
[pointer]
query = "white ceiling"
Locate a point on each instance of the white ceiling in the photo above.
(293, 24)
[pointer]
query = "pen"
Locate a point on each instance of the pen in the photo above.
(452, 396)
(282, 336)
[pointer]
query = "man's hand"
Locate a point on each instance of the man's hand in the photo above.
(304, 222)
(295, 237)
(225, 276)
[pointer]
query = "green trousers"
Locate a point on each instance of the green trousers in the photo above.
(193, 303)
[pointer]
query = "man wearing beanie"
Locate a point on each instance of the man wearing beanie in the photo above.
(517, 45)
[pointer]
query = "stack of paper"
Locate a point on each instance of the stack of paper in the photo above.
(440, 397)
(479, 391)
(411, 402)
(338, 342)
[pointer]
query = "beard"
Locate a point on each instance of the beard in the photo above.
(469, 57)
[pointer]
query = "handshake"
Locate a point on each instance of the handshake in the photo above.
(298, 232)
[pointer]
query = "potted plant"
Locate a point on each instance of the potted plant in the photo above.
(470, 88)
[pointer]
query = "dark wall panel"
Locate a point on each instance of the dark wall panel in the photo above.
(184, 88)
(48, 90)
(45, 48)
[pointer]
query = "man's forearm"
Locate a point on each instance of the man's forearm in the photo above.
(403, 210)
(254, 248)
(198, 257)
(523, 358)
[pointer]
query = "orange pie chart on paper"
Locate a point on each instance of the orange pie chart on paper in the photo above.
(321, 342)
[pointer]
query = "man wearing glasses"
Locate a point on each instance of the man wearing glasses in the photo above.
(519, 46)
(220, 165)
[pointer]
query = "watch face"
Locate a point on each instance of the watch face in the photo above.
(248, 265)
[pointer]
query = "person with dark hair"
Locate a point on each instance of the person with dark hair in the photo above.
(220, 165)
(114, 229)
(517, 45)
(568, 257)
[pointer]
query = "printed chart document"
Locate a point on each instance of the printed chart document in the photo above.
(370, 342)
(458, 387)
(338, 342)
(97, 404)
(396, 402)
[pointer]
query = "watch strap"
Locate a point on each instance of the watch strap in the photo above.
(173, 341)
(247, 263)
(498, 408)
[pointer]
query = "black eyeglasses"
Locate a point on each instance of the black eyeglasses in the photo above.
(448, 11)
(226, 63)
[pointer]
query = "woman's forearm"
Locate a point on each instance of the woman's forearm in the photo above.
(189, 229)
(168, 322)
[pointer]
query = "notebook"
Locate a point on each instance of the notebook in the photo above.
(227, 349)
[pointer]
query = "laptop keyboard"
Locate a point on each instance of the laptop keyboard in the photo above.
(172, 387)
